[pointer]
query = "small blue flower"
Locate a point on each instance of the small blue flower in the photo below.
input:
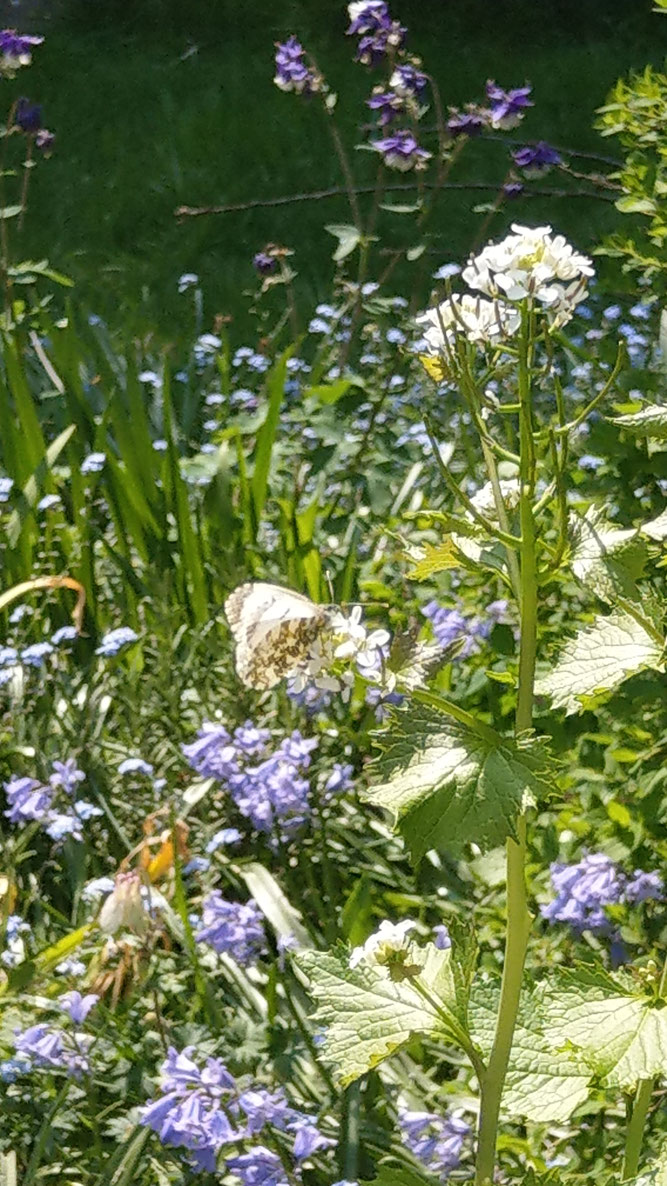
(93, 463)
(8, 656)
(66, 775)
(115, 640)
(135, 766)
(441, 937)
(446, 272)
(64, 634)
(77, 1007)
(34, 655)
(232, 928)
(222, 838)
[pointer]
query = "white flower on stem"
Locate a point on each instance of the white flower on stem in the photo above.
(388, 943)
(124, 908)
(532, 263)
(484, 500)
(478, 320)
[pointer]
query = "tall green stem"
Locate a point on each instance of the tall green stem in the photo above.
(634, 1136)
(518, 915)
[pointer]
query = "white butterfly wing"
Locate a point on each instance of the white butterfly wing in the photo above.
(273, 628)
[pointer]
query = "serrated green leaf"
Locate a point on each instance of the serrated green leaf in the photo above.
(542, 1085)
(435, 559)
(447, 784)
(366, 1014)
(599, 658)
(606, 559)
(621, 1034)
(650, 421)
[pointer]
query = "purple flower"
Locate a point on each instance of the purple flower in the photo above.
(449, 625)
(232, 928)
(368, 16)
(401, 151)
(15, 51)
(507, 107)
(28, 116)
(466, 123)
(407, 80)
(259, 1167)
(264, 263)
(536, 159)
(387, 103)
(261, 1107)
(115, 640)
(76, 1006)
(54, 1049)
(441, 937)
(213, 754)
(292, 72)
(434, 1140)
(188, 1112)
(512, 189)
(643, 886)
(340, 780)
(308, 1139)
(582, 891)
(27, 799)
(66, 775)
(44, 141)
(374, 47)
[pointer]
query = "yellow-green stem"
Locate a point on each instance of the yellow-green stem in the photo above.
(518, 915)
(634, 1136)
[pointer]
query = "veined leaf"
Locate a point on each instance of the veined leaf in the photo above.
(435, 559)
(367, 1014)
(542, 1085)
(650, 421)
(605, 558)
(447, 784)
(621, 1034)
(599, 658)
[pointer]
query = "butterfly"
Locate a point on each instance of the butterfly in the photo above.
(273, 629)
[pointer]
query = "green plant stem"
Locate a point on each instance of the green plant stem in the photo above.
(634, 1136)
(518, 915)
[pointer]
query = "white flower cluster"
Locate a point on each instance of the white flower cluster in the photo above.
(384, 946)
(530, 264)
(478, 320)
(533, 263)
(345, 645)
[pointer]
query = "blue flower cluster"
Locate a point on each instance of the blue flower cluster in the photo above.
(53, 1048)
(584, 889)
(379, 35)
(232, 928)
(52, 804)
(203, 1108)
(434, 1140)
(267, 787)
(450, 625)
(292, 71)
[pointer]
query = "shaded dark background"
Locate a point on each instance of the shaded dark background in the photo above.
(162, 103)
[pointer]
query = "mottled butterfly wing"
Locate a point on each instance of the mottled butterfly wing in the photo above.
(273, 629)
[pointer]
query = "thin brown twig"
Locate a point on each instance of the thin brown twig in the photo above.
(337, 191)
